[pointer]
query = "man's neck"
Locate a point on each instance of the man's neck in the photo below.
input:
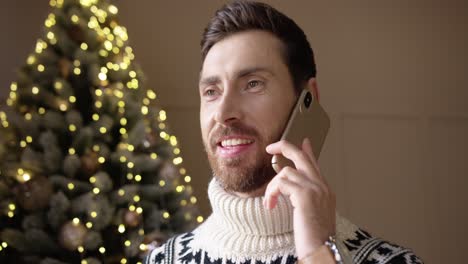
(256, 193)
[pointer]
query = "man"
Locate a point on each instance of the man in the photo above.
(255, 63)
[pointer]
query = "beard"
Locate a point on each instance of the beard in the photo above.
(240, 174)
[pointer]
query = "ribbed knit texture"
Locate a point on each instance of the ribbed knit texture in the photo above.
(241, 227)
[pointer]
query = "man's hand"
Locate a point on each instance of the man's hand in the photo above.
(313, 201)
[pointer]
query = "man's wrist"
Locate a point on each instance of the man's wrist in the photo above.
(321, 255)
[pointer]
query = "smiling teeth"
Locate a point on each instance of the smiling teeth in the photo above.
(235, 142)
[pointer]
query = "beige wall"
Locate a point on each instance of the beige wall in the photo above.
(392, 76)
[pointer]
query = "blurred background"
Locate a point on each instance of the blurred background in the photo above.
(392, 76)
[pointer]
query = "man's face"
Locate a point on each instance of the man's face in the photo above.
(246, 95)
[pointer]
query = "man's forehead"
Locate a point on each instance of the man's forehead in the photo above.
(238, 73)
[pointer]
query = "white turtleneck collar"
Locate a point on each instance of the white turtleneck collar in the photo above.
(241, 228)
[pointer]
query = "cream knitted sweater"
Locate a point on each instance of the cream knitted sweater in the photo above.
(240, 230)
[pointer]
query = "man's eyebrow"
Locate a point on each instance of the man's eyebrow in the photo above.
(242, 73)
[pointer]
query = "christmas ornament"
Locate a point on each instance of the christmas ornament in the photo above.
(89, 163)
(34, 194)
(132, 218)
(168, 171)
(72, 235)
(76, 34)
(64, 66)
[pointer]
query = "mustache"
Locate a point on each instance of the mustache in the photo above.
(232, 129)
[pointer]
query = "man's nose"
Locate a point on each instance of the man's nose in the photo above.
(229, 109)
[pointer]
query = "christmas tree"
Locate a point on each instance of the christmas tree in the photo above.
(88, 170)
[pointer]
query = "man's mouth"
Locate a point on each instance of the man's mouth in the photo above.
(233, 142)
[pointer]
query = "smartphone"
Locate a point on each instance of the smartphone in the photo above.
(307, 119)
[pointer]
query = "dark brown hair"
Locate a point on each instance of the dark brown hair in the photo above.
(239, 16)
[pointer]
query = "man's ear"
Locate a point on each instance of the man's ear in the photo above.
(313, 86)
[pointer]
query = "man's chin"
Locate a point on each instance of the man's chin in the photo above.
(241, 179)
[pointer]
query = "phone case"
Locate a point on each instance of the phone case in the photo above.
(307, 119)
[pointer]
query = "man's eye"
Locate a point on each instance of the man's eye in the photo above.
(253, 84)
(210, 92)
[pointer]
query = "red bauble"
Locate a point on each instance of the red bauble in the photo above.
(34, 194)
(72, 235)
(132, 218)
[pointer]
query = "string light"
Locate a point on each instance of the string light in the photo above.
(138, 178)
(72, 99)
(153, 156)
(95, 117)
(162, 183)
(200, 219)
(162, 115)
(187, 179)
(121, 192)
(35, 90)
(177, 160)
(136, 198)
(81, 249)
(96, 190)
(127, 243)
(121, 229)
(76, 221)
(101, 160)
(166, 215)
(123, 261)
(173, 141)
(40, 68)
(102, 250)
(71, 186)
(84, 46)
(89, 225)
(139, 210)
(93, 214)
(71, 151)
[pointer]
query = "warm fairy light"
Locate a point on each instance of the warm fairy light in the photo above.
(28, 139)
(193, 199)
(95, 117)
(77, 71)
(110, 37)
(139, 210)
(50, 35)
(132, 74)
(146, 101)
(40, 68)
(23, 143)
(177, 160)
(12, 207)
(183, 203)
(123, 159)
(141, 232)
(58, 85)
(103, 53)
(131, 148)
(176, 151)
(103, 130)
(121, 228)
(144, 110)
(136, 198)
(71, 186)
(101, 160)
(84, 261)
(180, 188)
(75, 19)
(92, 179)
(11, 214)
(96, 190)
(96, 148)
(121, 104)
(26, 177)
(187, 179)
(113, 9)
(13, 95)
(76, 63)
(138, 178)
(131, 208)
(163, 134)
(127, 243)
(31, 59)
(63, 107)
(123, 261)
(102, 250)
(71, 151)
(81, 249)
(4, 244)
(108, 45)
(129, 176)
(200, 219)
(143, 247)
(162, 115)
(123, 131)
(162, 126)
(162, 183)
(154, 155)
(93, 214)
(41, 110)
(87, 3)
(188, 216)
(116, 50)
(121, 192)
(166, 215)
(102, 76)
(84, 46)
(72, 99)
(76, 221)
(72, 128)
(89, 225)
(173, 141)
(35, 90)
